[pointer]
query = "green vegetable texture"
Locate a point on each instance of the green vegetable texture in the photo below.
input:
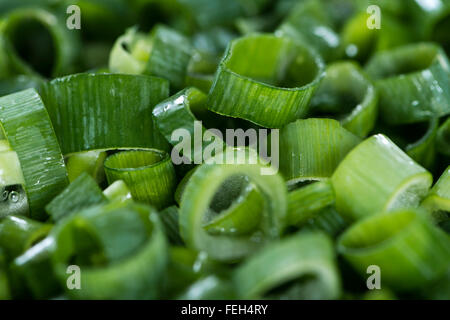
(224, 149)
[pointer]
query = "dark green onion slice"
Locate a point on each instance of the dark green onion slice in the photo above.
(298, 267)
(207, 183)
(270, 89)
(310, 23)
(35, 41)
(164, 53)
(30, 134)
(358, 42)
(438, 199)
(311, 149)
(378, 176)
(120, 248)
(348, 95)
(148, 173)
(409, 250)
(443, 138)
(92, 111)
(306, 202)
(412, 81)
(17, 234)
(81, 193)
(90, 162)
(176, 114)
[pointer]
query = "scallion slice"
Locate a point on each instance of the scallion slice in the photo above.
(30, 134)
(164, 53)
(298, 267)
(310, 23)
(311, 149)
(270, 90)
(305, 202)
(17, 234)
(421, 251)
(92, 111)
(120, 248)
(205, 182)
(53, 55)
(81, 193)
(378, 176)
(149, 173)
(412, 82)
(347, 94)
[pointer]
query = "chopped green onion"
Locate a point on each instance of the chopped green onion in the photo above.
(311, 149)
(412, 82)
(327, 220)
(118, 191)
(149, 173)
(348, 95)
(198, 195)
(305, 202)
(298, 267)
(164, 53)
(270, 89)
(176, 114)
(28, 129)
(33, 272)
(90, 162)
(407, 248)
(92, 111)
(309, 23)
(81, 193)
(359, 42)
(120, 249)
(378, 176)
(34, 41)
(17, 234)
